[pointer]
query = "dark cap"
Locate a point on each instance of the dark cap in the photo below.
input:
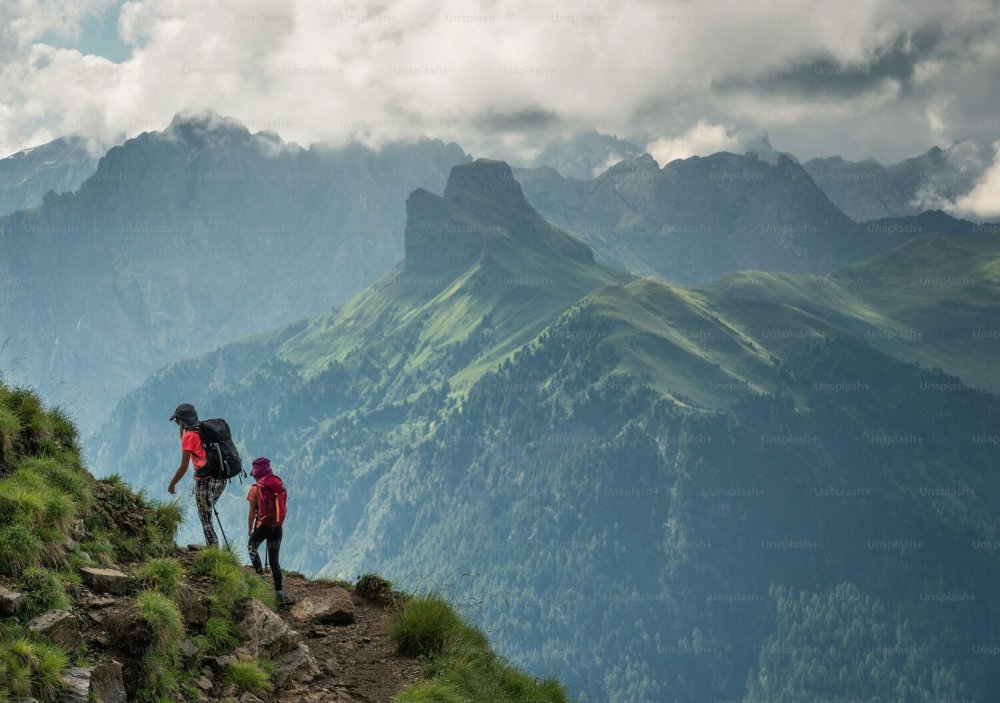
(186, 413)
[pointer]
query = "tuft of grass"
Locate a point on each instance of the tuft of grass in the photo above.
(433, 691)
(233, 584)
(163, 575)
(462, 667)
(219, 636)
(59, 511)
(160, 676)
(29, 668)
(249, 677)
(62, 473)
(19, 548)
(48, 681)
(163, 617)
(115, 481)
(99, 549)
(44, 590)
(64, 430)
(373, 588)
(425, 626)
(207, 561)
(10, 437)
(167, 516)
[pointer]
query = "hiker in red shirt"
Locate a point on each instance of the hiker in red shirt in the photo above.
(206, 489)
(267, 514)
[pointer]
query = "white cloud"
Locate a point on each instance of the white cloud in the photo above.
(700, 140)
(494, 75)
(983, 201)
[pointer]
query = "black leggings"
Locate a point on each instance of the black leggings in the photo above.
(273, 537)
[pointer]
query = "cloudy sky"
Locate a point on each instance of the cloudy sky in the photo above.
(882, 78)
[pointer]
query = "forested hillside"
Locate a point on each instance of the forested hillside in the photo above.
(655, 493)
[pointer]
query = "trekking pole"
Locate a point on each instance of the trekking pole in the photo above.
(221, 529)
(267, 558)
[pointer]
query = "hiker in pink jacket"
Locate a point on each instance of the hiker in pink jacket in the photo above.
(267, 514)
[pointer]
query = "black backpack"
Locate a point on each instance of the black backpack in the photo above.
(222, 459)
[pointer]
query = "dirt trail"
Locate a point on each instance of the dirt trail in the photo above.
(357, 661)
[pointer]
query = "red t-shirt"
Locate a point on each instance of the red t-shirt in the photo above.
(191, 442)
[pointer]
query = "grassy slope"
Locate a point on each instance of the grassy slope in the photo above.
(47, 498)
(48, 501)
(922, 301)
(462, 667)
(412, 326)
(695, 347)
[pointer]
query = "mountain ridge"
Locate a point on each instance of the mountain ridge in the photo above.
(201, 211)
(699, 219)
(28, 175)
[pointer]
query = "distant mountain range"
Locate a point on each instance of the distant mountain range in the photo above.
(867, 190)
(586, 155)
(681, 494)
(61, 165)
(171, 237)
(185, 239)
(699, 219)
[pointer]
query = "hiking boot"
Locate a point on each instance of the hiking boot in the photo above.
(279, 597)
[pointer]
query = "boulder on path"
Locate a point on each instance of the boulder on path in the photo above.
(107, 684)
(267, 635)
(76, 686)
(105, 580)
(188, 648)
(11, 602)
(332, 606)
(58, 626)
(296, 666)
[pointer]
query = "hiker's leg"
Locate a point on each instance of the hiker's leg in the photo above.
(204, 498)
(273, 547)
(252, 546)
(217, 486)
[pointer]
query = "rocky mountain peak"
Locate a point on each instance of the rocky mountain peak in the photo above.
(484, 181)
(199, 126)
(482, 204)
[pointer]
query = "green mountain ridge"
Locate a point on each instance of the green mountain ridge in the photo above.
(487, 279)
(658, 483)
(932, 300)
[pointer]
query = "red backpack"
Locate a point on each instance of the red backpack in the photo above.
(271, 501)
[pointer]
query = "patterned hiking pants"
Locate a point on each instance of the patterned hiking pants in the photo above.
(206, 493)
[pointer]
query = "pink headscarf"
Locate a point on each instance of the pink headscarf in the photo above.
(261, 468)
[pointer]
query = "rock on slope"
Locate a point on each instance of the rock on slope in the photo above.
(60, 166)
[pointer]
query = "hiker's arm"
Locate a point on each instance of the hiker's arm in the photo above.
(181, 470)
(252, 516)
